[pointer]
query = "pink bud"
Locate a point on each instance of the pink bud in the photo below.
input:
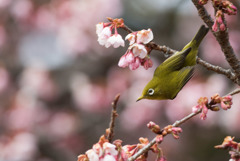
(203, 116)
(147, 63)
(222, 27)
(159, 139)
(195, 109)
(135, 64)
(130, 57)
(123, 62)
(215, 27)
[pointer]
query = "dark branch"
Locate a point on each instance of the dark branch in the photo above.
(222, 38)
(227, 72)
(113, 117)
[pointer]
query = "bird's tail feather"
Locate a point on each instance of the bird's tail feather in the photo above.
(202, 32)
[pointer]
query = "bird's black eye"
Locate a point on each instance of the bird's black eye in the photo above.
(150, 91)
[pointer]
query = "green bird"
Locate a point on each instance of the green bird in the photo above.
(170, 76)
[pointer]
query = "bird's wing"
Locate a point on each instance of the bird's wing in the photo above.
(173, 63)
(182, 76)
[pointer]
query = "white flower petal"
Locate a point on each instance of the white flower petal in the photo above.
(139, 50)
(99, 28)
(109, 158)
(92, 155)
(144, 36)
(131, 38)
(115, 41)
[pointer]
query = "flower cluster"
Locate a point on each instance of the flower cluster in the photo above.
(105, 151)
(172, 130)
(202, 105)
(222, 6)
(105, 36)
(137, 53)
(101, 151)
(232, 146)
(153, 127)
(225, 102)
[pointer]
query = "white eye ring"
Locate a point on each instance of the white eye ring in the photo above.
(151, 91)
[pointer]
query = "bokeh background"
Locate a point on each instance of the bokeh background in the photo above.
(57, 83)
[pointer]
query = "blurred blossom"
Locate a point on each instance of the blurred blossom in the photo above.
(116, 83)
(38, 82)
(21, 147)
(137, 114)
(4, 3)
(60, 120)
(212, 51)
(21, 9)
(229, 120)
(73, 26)
(88, 96)
(25, 113)
(45, 19)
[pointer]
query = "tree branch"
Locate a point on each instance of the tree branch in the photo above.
(223, 39)
(227, 72)
(113, 117)
(175, 124)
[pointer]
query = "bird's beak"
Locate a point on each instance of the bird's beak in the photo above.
(139, 98)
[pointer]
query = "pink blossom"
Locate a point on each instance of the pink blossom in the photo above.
(109, 149)
(4, 3)
(195, 109)
(123, 62)
(115, 40)
(130, 57)
(214, 26)
(144, 36)
(222, 27)
(159, 138)
(202, 102)
(23, 145)
(226, 102)
(21, 9)
(109, 158)
(131, 38)
(99, 28)
(203, 115)
(147, 63)
(139, 50)
(104, 35)
(135, 64)
(92, 155)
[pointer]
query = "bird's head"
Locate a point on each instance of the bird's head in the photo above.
(152, 91)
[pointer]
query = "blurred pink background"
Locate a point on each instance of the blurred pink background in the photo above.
(57, 83)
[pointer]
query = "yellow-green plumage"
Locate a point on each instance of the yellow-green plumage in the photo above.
(170, 77)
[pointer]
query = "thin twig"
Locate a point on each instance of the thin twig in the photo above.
(223, 39)
(151, 143)
(113, 118)
(175, 124)
(227, 72)
(236, 91)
